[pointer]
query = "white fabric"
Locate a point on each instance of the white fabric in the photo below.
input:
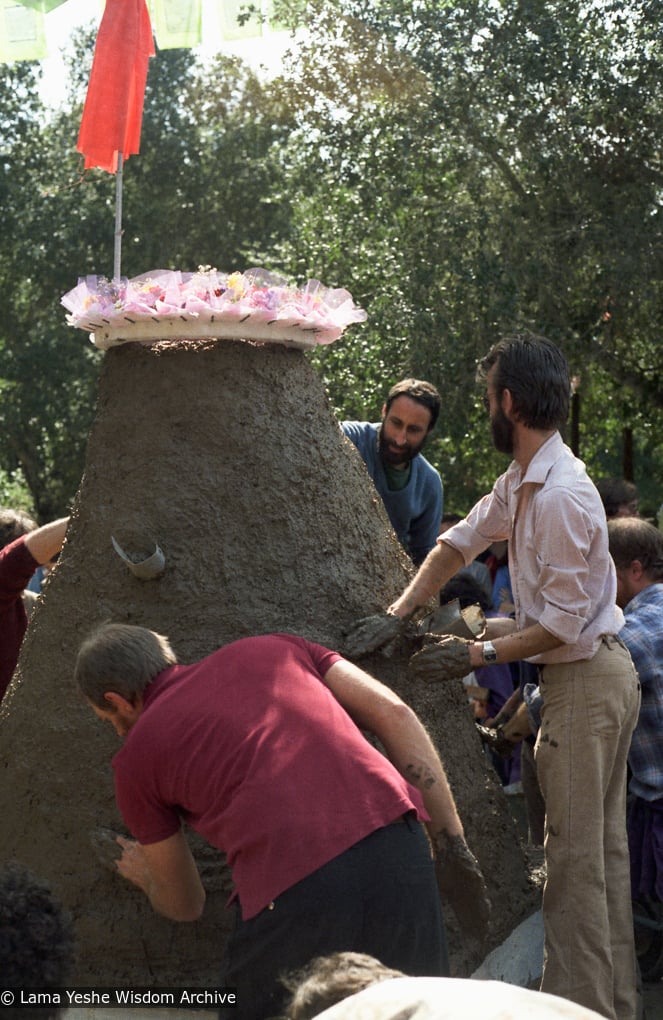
(424, 998)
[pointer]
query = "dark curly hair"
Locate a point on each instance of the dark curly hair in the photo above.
(326, 980)
(14, 524)
(36, 938)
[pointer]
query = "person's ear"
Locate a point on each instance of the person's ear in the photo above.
(116, 702)
(636, 570)
(383, 412)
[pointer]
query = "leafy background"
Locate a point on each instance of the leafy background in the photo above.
(464, 169)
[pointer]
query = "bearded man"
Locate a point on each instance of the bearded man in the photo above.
(567, 624)
(410, 487)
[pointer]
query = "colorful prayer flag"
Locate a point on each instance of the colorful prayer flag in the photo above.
(177, 23)
(22, 34)
(113, 111)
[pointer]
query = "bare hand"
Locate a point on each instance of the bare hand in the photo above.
(462, 885)
(106, 847)
(370, 633)
(132, 865)
(442, 660)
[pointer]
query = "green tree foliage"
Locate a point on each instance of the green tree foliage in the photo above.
(488, 167)
(464, 169)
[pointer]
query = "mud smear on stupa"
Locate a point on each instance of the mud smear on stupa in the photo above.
(227, 456)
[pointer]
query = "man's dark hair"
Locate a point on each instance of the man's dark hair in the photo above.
(36, 938)
(536, 373)
(327, 980)
(416, 389)
(633, 538)
(464, 587)
(14, 524)
(616, 493)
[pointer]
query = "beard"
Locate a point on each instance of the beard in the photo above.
(397, 456)
(502, 432)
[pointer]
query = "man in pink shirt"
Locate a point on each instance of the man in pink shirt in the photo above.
(257, 747)
(566, 622)
(23, 548)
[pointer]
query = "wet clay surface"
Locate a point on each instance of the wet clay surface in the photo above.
(227, 456)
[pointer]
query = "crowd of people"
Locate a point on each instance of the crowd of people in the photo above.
(571, 583)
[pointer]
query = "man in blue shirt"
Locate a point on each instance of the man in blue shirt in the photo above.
(410, 487)
(637, 549)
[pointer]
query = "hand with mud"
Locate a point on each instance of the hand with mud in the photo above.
(442, 660)
(370, 633)
(462, 885)
(121, 855)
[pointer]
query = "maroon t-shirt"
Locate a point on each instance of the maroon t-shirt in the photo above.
(252, 750)
(17, 565)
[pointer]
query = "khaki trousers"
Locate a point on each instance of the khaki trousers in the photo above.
(590, 709)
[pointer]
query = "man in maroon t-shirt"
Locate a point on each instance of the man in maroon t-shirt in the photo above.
(23, 548)
(258, 747)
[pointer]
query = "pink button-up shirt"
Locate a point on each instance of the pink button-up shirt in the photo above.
(562, 574)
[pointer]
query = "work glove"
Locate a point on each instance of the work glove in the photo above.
(461, 884)
(494, 738)
(372, 632)
(441, 660)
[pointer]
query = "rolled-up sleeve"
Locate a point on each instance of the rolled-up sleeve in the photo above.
(487, 522)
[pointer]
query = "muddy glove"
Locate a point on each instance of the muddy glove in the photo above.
(372, 632)
(494, 738)
(462, 885)
(442, 660)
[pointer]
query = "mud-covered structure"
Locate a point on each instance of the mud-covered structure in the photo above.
(227, 456)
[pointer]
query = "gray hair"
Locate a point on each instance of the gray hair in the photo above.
(633, 538)
(122, 658)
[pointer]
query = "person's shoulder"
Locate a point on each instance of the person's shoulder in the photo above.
(645, 605)
(425, 469)
(16, 557)
(359, 428)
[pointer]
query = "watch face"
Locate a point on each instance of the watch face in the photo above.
(489, 653)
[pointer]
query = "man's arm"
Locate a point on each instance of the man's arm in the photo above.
(377, 630)
(451, 657)
(378, 709)
(439, 567)
(167, 874)
(521, 644)
(45, 542)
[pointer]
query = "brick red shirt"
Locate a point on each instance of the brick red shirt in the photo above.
(252, 750)
(17, 565)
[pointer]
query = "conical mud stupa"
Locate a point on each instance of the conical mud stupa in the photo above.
(227, 457)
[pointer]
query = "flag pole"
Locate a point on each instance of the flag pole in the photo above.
(117, 250)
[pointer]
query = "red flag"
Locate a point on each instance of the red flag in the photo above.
(113, 110)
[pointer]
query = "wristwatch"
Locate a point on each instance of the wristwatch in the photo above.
(489, 653)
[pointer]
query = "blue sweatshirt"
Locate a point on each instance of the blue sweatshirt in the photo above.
(415, 511)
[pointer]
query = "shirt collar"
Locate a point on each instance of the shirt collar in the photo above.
(540, 464)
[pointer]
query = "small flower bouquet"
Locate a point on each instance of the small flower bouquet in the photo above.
(168, 304)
